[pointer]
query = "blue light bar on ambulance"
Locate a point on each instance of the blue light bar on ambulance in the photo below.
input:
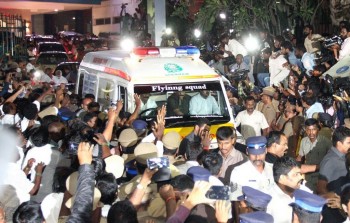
(187, 51)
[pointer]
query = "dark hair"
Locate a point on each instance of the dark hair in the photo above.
(108, 187)
(282, 166)
(274, 137)
(315, 86)
(47, 120)
(345, 195)
(300, 47)
(203, 121)
(30, 111)
(225, 132)
(340, 134)
(99, 166)
(312, 121)
(59, 179)
(309, 26)
(8, 107)
(28, 212)
(249, 98)
(321, 68)
(223, 36)
(212, 161)
(267, 50)
(193, 151)
(287, 45)
(305, 216)
(122, 212)
(40, 137)
(91, 96)
(93, 104)
(279, 38)
(195, 219)
(169, 152)
(309, 98)
(182, 182)
(88, 116)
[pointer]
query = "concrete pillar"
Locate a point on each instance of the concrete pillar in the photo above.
(156, 18)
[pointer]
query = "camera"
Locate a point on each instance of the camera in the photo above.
(88, 136)
(239, 75)
(332, 41)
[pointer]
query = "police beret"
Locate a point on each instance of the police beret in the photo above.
(198, 173)
(256, 217)
(128, 138)
(256, 199)
(308, 201)
(256, 145)
(171, 140)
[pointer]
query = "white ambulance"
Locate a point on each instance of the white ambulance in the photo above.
(174, 77)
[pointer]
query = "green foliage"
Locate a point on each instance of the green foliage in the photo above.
(208, 13)
(181, 10)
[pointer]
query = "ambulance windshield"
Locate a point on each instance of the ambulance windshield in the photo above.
(184, 102)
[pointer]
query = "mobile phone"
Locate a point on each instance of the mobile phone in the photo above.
(73, 148)
(218, 193)
(158, 162)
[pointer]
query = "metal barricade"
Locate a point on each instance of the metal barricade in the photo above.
(12, 36)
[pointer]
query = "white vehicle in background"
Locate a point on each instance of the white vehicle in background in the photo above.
(155, 73)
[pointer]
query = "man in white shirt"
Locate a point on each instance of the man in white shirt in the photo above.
(59, 79)
(255, 172)
(147, 103)
(307, 59)
(311, 106)
(47, 77)
(204, 104)
(278, 69)
(287, 176)
(251, 120)
(31, 64)
(345, 47)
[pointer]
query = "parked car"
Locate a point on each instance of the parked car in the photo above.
(49, 46)
(51, 59)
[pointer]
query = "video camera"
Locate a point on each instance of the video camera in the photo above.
(239, 75)
(332, 41)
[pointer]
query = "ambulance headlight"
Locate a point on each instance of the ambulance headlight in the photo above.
(251, 43)
(127, 44)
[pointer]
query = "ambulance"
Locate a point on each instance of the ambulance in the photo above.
(158, 75)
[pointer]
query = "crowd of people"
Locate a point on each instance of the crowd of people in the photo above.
(72, 162)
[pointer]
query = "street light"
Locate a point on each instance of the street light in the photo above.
(222, 15)
(197, 33)
(168, 31)
(251, 43)
(127, 44)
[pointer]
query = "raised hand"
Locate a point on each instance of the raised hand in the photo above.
(85, 153)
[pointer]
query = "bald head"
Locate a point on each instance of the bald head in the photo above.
(85, 103)
(58, 73)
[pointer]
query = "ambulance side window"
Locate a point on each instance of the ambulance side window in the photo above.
(123, 94)
(105, 93)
